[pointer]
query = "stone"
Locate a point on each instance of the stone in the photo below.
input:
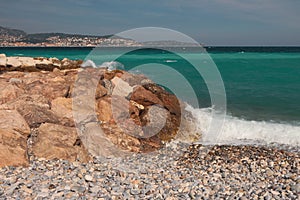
(49, 87)
(96, 142)
(79, 189)
(70, 64)
(36, 115)
(134, 79)
(121, 123)
(104, 111)
(59, 142)
(13, 62)
(121, 88)
(13, 136)
(2, 60)
(62, 108)
(12, 120)
(88, 178)
(155, 119)
(25, 99)
(9, 91)
(56, 62)
(144, 97)
(34, 108)
(27, 64)
(170, 101)
(117, 109)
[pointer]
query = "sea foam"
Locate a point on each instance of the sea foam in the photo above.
(111, 65)
(240, 131)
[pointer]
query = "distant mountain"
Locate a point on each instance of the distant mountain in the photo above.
(22, 36)
(12, 32)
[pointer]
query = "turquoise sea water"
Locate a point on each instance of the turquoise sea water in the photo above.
(262, 83)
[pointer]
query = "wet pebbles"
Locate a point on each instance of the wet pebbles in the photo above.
(178, 171)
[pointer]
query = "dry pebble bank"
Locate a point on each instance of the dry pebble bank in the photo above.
(178, 171)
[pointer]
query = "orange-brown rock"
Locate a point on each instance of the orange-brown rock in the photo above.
(168, 100)
(144, 97)
(134, 79)
(25, 99)
(122, 125)
(34, 108)
(59, 142)
(36, 115)
(9, 91)
(69, 64)
(45, 85)
(13, 139)
(62, 108)
(111, 109)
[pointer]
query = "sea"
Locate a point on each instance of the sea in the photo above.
(262, 84)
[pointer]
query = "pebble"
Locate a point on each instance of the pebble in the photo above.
(88, 178)
(178, 171)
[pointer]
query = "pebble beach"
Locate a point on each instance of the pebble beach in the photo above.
(178, 171)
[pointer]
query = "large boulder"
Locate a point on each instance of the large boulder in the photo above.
(34, 108)
(98, 143)
(122, 123)
(134, 79)
(12, 75)
(144, 97)
(18, 103)
(121, 88)
(9, 91)
(36, 115)
(59, 142)
(13, 139)
(62, 108)
(13, 62)
(70, 64)
(168, 100)
(43, 84)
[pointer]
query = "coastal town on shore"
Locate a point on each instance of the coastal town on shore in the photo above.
(18, 38)
(57, 41)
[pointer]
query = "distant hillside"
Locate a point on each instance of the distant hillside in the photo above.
(12, 32)
(40, 37)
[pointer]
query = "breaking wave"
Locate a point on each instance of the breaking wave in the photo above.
(240, 131)
(112, 65)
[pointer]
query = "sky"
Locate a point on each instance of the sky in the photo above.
(211, 22)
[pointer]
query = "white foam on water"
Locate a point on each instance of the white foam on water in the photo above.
(112, 65)
(170, 61)
(237, 131)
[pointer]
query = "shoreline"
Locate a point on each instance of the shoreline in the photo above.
(39, 98)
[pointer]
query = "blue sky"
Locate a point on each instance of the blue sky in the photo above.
(212, 22)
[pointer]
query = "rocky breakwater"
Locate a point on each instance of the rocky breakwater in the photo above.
(30, 64)
(60, 111)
